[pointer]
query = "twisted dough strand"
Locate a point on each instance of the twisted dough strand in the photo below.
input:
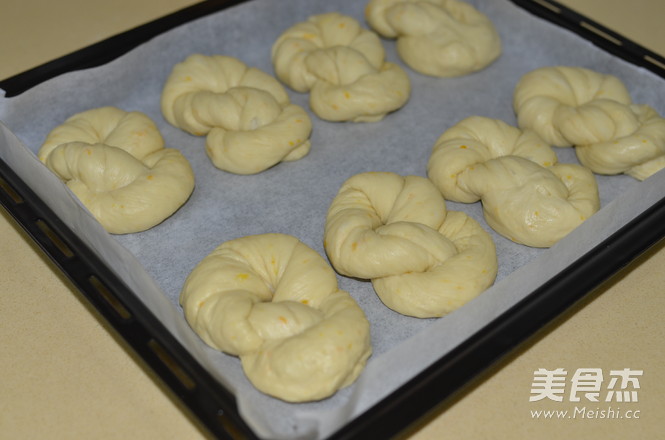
(343, 67)
(116, 164)
(547, 97)
(214, 74)
(394, 230)
(274, 302)
(632, 141)
(133, 132)
(526, 196)
(246, 114)
(572, 106)
(442, 38)
(475, 140)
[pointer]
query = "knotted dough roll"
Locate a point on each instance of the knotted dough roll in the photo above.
(246, 114)
(342, 66)
(116, 164)
(573, 106)
(526, 196)
(612, 138)
(548, 100)
(423, 260)
(443, 38)
(275, 303)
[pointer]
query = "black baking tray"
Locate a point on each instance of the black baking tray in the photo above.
(215, 406)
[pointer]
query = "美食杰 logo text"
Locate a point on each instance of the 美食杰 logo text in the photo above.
(597, 394)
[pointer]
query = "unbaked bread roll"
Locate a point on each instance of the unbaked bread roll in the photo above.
(342, 66)
(443, 38)
(526, 196)
(423, 261)
(134, 132)
(275, 303)
(477, 139)
(116, 164)
(572, 106)
(612, 138)
(246, 114)
(550, 98)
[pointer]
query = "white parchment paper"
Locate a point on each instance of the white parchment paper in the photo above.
(293, 198)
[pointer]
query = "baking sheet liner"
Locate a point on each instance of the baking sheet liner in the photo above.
(293, 197)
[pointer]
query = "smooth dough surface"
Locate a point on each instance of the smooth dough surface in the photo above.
(442, 38)
(342, 66)
(275, 303)
(116, 164)
(573, 106)
(526, 196)
(246, 115)
(548, 99)
(619, 139)
(423, 260)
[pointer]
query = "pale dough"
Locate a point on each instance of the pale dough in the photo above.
(116, 164)
(573, 106)
(342, 66)
(442, 38)
(275, 303)
(423, 260)
(617, 138)
(246, 114)
(547, 98)
(526, 196)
